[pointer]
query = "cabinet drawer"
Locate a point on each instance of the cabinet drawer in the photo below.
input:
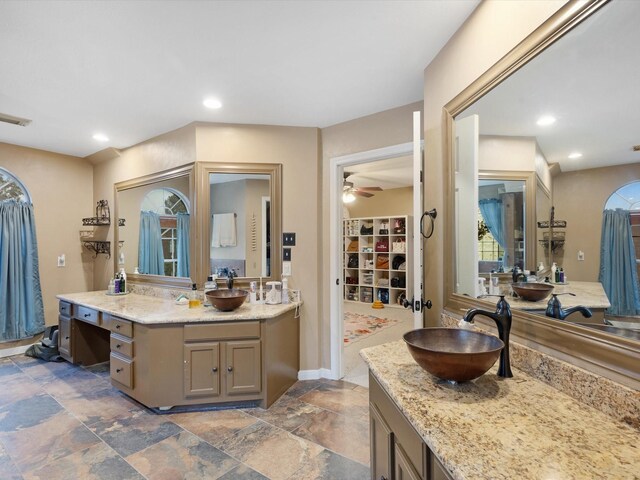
(122, 345)
(65, 309)
(87, 315)
(64, 335)
(222, 331)
(121, 370)
(121, 326)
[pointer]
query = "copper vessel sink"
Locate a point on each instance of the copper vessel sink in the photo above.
(227, 300)
(453, 354)
(532, 292)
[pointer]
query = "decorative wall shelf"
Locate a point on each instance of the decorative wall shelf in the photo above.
(555, 244)
(98, 247)
(103, 216)
(554, 224)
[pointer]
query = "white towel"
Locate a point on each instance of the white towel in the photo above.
(223, 232)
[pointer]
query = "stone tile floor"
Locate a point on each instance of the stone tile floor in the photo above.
(59, 421)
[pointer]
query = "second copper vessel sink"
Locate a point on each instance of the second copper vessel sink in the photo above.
(452, 353)
(227, 300)
(532, 291)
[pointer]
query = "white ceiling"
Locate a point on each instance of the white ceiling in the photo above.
(134, 69)
(588, 80)
(387, 174)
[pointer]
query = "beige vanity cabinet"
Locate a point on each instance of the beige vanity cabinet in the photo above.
(64, 331)
(223, 360)
(397, 451)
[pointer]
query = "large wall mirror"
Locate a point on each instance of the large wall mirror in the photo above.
(559, 110)
(240, 220)
(156, 244)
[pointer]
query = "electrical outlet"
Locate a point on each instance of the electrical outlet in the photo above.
(62, 260)
(286, 269)
(580, 256)
(289, 239)
(286, 254)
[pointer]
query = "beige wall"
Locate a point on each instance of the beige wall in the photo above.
(395, 201)
(297, 149)
(61, 189)
(490, 32)
(506, 153)
(391, 127)
(583, 213)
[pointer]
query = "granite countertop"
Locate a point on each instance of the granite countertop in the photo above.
(506, 428)
(152, 310)
(587, 294)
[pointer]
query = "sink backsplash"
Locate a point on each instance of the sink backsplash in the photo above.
(614, 399)
(158, 292)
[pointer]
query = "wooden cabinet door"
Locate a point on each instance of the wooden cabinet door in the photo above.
(202, 369)
(64, 336)
(243, 367)
(381, 444)
(404, 470)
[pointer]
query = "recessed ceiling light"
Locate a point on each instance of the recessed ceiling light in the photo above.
(546, 120)
(212, 103)
(575, 155)
(101, 137)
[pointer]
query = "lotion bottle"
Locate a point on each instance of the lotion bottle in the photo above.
(554, 268)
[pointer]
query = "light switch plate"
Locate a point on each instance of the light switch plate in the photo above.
(286, 269)
(289, 239)
(62, 260)
(580, 256)
(286, 254)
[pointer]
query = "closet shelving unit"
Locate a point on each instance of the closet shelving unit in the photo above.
(365, 282)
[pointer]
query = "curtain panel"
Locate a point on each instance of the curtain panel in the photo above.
(150, 254)
(183, 225)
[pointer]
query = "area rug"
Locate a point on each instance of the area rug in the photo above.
(358, 326)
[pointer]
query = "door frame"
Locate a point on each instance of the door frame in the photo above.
(336, 260)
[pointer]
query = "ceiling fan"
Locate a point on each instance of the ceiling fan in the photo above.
(349, 191)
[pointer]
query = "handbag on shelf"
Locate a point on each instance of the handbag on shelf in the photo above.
(382, 262)
(397, 261)
(382, 245)
(399, 246)
(353, 261)
(364, 230)
(353, 246)
(383, 282)
(399, 226)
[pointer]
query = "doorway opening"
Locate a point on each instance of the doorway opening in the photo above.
(372, 253)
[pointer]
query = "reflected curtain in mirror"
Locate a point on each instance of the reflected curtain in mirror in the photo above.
(150, 256)
(618, 271)
(182, 245)
(492, 212)
(21, 306)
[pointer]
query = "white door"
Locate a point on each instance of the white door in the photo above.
(415, 287)
(466, 204)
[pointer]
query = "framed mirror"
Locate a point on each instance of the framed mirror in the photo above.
(157, 241)
(240, 221)
(579, 155)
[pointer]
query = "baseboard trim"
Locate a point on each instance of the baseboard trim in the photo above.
(10, 352)
(315, 374)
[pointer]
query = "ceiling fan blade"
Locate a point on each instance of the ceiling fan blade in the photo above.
(370, 189)
(363, 194)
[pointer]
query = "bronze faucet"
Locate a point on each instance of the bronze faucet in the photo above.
(502, 317)
(230, 276)
(555, 310)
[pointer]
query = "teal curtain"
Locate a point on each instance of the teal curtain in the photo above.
(618, 273)
(183, 224)
(150, 254)
(21, 307)
(491, 210)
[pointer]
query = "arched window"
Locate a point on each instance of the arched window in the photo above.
(11, 188)
(169, 204)
(626, 198)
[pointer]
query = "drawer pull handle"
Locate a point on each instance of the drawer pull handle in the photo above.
(215, 369)
(118, 346)
(87, 315)
(117, 327)
(229, 369)
(118, 370)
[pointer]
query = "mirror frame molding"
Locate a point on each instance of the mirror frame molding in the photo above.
(160, 280)
(605, 354)
(529, 179)
(203, 169)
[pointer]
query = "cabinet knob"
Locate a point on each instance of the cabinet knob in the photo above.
(118, 370)
(66, 338)
(215, 369)
(117, 327)
(229, 369)
(118, 346)
(87, 315)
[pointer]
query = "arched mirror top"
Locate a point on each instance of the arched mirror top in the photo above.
(549, 109)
